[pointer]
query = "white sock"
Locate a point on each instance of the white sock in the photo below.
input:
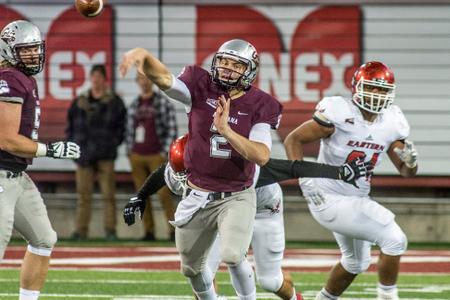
(28, 295)
(387, 292)
(243, 280)
(325, 295)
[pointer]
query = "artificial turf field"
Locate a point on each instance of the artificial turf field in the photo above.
(89, 284)
(130, 270)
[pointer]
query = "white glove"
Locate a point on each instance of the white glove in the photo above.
(63, 149)
(408, 154)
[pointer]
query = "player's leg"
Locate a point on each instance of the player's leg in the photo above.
(355, 259)
(235, 222)
(214, 259)
(9, 191)
(85, 187)
(32, 222)
(393, 244)
(268, 244)
(370, 222)
(106, 180)
(193, 241)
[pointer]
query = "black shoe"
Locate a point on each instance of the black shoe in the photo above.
(149, 237)
(76, 236)
(172, 236)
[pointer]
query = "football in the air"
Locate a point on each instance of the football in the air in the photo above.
(89, 8)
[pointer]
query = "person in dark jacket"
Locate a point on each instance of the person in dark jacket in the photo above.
(96, 121)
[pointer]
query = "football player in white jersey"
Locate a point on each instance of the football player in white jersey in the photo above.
(366, 126)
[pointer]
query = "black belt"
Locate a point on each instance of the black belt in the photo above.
(212, 196)
(11, 174)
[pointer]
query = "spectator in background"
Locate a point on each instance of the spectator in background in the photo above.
(151, 128)
(96, 121)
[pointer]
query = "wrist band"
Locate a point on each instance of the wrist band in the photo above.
(41, 150)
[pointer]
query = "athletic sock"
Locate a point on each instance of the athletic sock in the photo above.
(387, 292)
(325, 295)
(25, 294)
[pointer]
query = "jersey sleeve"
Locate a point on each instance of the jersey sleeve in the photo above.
(269, 113)
(188, 75)
(11, 90)
(325, 113)
(401, 124)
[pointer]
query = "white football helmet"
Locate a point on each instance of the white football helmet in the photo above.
(16, 36)
(243, 52)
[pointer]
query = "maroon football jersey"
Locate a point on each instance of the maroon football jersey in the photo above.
(211, 162)
(16, 87)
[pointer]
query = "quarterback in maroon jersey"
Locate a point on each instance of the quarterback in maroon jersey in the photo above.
(229, 132)
(21, 205)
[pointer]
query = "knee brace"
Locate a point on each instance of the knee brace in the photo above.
(355, 266)
(44, 245)
(271, 283)
(395, 243)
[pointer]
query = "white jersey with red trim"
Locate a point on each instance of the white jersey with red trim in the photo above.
(355, 137)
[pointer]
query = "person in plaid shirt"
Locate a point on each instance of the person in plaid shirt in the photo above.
(151, 128)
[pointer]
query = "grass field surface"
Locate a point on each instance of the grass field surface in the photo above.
(122, 271)
(128, 285)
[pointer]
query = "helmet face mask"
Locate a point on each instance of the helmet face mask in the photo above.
(373, 87)
(22, 46)
(235, 65)
(230, 71)
(374, 96)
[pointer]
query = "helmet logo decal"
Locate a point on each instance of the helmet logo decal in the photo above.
(9, 35)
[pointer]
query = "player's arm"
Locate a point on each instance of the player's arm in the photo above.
(148, 65)
(157, 72)
(310, 131)
(154, 182)
(13, 142)
(404, 157)
(251, 150)
(277, 170)
(10, 139)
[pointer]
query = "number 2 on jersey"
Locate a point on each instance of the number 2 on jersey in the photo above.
(215, 142)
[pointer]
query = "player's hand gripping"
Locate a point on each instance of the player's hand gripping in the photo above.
(63, 149)
(408, 154)
(135, 205)
(354, 169)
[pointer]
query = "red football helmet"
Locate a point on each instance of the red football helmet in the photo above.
(176, 157)
(373, 87)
